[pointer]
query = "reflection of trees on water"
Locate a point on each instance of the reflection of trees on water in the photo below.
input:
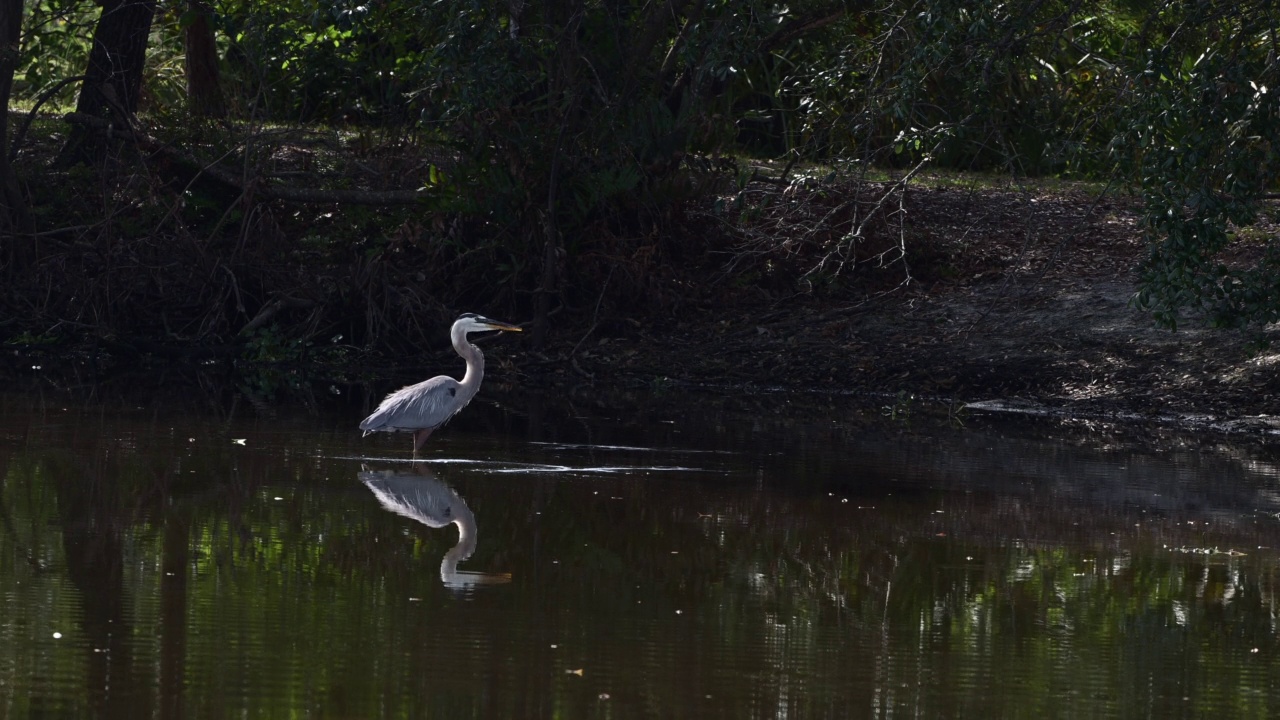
(218, 580)
(423, 497)
(86, 512)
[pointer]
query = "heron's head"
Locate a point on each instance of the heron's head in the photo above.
(470, 322)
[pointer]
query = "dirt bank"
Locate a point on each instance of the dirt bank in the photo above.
(1023, 304)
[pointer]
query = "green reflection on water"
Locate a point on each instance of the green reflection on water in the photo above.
(192, 576)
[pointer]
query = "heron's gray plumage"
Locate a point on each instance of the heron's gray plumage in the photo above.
(428, 404)
(423, 407)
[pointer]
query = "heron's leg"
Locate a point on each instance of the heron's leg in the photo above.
(420, 437)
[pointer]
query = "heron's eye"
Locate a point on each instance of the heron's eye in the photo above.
(453, 392)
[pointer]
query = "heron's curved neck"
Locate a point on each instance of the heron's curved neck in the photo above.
(466, 543)
(470, 353)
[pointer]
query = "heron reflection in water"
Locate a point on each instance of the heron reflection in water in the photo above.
(425, 498)
(423, 407)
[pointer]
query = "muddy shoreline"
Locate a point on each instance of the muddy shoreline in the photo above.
(1064, 347)
(1023, 305)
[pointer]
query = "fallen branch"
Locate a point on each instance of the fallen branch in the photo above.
(272, 308)
(261, 188)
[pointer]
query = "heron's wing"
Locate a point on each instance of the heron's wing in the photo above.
(426, 405)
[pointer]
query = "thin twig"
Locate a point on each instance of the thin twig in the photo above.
(595, 316)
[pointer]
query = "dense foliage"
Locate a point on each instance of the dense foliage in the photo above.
(584, 154)
(1206, 124)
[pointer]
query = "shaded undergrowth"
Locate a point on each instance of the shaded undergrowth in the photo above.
(156, 254)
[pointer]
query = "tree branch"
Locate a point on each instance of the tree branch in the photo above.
(21, 136)
(793, 29)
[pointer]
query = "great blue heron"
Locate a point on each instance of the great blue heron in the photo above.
(423, 407)
(426, 499)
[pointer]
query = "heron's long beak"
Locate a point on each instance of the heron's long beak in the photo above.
(501, 326)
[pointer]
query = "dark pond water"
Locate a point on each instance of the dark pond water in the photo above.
(196, 553)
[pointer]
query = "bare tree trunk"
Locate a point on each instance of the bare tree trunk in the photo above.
(15, 221)
(113, 80)
(204, 87)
